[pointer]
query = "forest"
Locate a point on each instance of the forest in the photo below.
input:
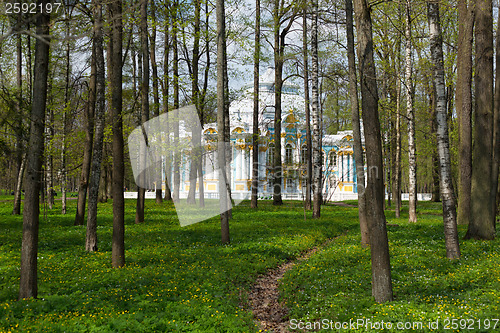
(417, 83)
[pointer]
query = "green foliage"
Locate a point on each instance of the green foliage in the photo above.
(335, 283)
(175, 279)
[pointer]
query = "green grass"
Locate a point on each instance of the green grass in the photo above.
(183, 280)
(335, 283)
(175, 279)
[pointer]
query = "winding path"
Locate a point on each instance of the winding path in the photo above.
(269, 313)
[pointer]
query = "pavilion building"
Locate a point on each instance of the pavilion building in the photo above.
(339, 168)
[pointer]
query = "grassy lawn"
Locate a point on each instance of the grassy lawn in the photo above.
(182, 279)
(459, 295)
(175, 279)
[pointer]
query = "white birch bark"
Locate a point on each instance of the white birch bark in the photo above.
(410, 112)
(446, 185)
(316, 119)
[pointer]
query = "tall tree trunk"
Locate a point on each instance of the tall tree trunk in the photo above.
(279, 17)
(446, 185)
(89, 138)
(176, 157)
(222, 147)
(118, 241)
(196, 135)
(49, 165)
(464, 106)
(168, 157)
(356, 128)
(379, 246)
(139, 212)
(156, 93)
(278, 84)
(227, 128)
(100, 105)
(203, 96)
(106, 182)
(19, 127)
(19, 183)
(316, 116)
(29, 65)
(436, 193)
(410, 113)
(482, 219)
(64, 174)
(308, 201)
(255, 129)
(397, 161)
(496, 131)
(28, 286)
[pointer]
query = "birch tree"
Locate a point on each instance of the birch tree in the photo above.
(410, 113)
(316, 116)
(445, 181)
(18, 127)
(305, 45)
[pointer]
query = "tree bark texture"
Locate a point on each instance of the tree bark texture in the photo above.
(141, 197)
(464, 106)
(175, 66)
(18, 127)
(446, 185)
(278, 84)
(397, 162)
(379, 246)
(255, 119)
(156, 93)
(166, 86)
(316, 116)
(89, 139)
(496, 131)
(118, 240)
(410, 113)
(196, 153)
(221, 151)
(309, 173)
(482, 219)
(100, 110)
(29, 249)
(356, 128)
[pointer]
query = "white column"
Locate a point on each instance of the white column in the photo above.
(244, 164)
(238, 164)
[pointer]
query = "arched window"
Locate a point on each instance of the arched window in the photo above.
(270, 154)
(288, 154)
(303, 154)
(332, 158)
